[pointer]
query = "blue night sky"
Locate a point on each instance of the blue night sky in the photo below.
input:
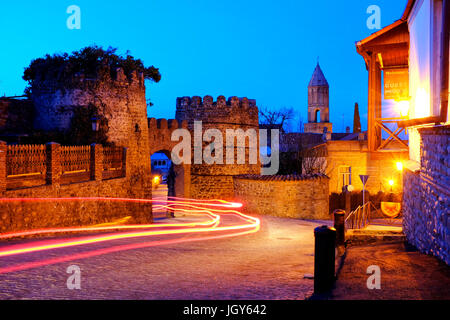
(261, 49)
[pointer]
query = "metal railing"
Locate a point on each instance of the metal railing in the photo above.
(360, 217)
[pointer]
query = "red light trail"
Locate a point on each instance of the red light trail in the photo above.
(218, 220)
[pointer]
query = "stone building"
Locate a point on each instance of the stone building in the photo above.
(120, 101)
(426, 200)
(318, 104)
(418, 43)
(342, 156)
(240, 115)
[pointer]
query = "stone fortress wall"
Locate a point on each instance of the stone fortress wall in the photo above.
(216, 181)
(160, 139)
(120, 101)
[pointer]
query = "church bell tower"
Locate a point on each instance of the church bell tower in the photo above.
(318, 104)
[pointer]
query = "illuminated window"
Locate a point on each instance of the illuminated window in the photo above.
(345, 176)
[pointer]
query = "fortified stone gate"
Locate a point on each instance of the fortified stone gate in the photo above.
(160, 133)
(211, 181)
(215, 181)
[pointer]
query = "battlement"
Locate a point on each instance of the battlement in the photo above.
(234, 110)
(108, 77)
(208, 101)
(164, 124)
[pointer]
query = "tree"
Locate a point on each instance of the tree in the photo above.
(314, 160)
(356, 120)
(276, 117)
(93, 61)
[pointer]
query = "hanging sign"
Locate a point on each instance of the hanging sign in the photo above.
(396, 84)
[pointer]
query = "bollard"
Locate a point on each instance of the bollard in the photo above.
(339, 225)
(324, 259)
(348, 202)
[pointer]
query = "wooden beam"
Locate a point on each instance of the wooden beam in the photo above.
(374, 104)
(394, 135)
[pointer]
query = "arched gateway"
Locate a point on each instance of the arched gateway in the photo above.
(160, 132)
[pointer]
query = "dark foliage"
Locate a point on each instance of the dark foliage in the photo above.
(93, 61)
(290, 163)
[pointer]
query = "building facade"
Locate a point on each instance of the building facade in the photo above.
(426, 199)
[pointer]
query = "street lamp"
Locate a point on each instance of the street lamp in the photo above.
(95, 127)
(95, 124)
(403, 108)
(391, 183)
(399, 166)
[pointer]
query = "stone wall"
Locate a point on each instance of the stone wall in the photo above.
(212, 181)
(26, 215)
(16, 116)
(426, 197)
(160, 134)
(121, 101)
(302, 197)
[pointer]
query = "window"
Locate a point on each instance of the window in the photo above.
(345, 176)
(317, 116)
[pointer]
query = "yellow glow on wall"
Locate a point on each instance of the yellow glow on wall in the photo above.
(421, 103)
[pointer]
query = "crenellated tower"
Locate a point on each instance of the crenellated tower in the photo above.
(240, 115)
(116, 97)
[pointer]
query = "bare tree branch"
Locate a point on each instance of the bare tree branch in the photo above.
(276, 117)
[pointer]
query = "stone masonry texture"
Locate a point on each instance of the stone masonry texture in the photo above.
(216, 180)
(426, 200)
(302, 197)
(122, 102)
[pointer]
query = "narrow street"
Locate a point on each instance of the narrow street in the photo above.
(268, 264)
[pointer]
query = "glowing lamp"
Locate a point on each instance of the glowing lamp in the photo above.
(95, 124)
(399, 166)
(156, 180)
(403, 107)
(391, 182)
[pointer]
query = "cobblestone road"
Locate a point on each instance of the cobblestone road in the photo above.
(270, 264)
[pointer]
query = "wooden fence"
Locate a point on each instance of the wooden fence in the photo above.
(113, 162)
(25, 160)
(34, 165)
(75, 159)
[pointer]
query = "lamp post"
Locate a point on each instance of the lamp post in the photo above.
(95, 126)
(391, 183)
